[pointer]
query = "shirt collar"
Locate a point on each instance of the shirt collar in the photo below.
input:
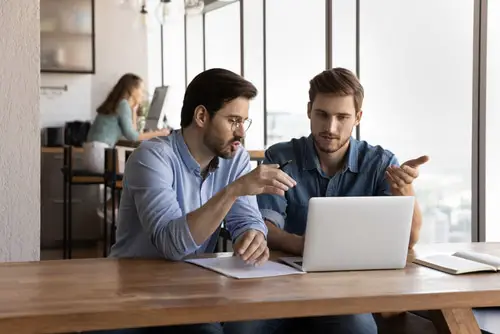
(192, 165)
(312, 160)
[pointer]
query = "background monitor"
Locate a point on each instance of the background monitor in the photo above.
(155, 114)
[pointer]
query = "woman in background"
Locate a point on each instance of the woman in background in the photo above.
(116, 118)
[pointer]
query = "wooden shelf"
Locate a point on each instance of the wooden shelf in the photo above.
(65, 34)
(68, 70)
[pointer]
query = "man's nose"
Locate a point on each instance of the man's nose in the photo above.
(332, 125)
(240, 131)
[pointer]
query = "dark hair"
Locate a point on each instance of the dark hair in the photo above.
(121, 90)
(338, 81)
(212, 89)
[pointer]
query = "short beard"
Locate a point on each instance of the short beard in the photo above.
(217, 145)
(329, 150)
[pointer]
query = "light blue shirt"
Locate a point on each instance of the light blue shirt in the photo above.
(363, 175)
(161, 185)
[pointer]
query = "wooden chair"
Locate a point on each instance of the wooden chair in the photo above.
(72, 177)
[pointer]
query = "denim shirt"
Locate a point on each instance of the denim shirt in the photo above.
(161, 185)
(362, 175)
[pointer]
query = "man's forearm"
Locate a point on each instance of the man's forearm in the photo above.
(278, 239)
(203, 221)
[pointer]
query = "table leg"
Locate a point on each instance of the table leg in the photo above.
(446, 321)
(455, 321)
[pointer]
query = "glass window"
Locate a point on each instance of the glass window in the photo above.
(344, 34)
(173, 65)
(416, 67)
(222, 38)
(194, 46)
(295, 53)
(154, 56)
(493, 123)
(254, 69)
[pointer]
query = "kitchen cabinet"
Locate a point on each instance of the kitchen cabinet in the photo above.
(67, 36)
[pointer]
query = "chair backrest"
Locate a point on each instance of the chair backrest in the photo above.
(110, 162)
(256, 156)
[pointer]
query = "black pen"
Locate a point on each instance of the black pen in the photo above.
(284, 164)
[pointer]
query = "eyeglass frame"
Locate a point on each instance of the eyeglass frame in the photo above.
(236, 122)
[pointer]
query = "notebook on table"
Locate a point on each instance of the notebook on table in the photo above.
(462, 262)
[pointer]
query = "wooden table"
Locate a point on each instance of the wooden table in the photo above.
(64, 296)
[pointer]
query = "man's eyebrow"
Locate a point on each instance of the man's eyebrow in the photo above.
(336, 114)
(234, 116)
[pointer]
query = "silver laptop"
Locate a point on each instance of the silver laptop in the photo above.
(356, 233)
(157, 109)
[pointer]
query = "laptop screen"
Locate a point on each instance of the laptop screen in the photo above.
(156, 108)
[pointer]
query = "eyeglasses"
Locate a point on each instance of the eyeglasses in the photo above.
(238, 123)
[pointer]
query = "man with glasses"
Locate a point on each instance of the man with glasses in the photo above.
(178, 189)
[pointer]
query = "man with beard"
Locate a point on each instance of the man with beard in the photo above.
(330, 163)
(178, 189)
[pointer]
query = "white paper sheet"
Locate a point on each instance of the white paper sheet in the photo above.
(235, 267)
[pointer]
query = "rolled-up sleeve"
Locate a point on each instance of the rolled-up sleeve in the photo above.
(384, 188)
(272, 207)
(244, 215)
(149, 179)
(125, 118)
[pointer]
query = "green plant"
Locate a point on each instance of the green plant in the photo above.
(143, 109)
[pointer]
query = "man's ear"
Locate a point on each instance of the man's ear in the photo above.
(309, 106)
(358, 117)
(200, 116)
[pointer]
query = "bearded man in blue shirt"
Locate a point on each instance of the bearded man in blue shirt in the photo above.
(329, 162)
(178, 189)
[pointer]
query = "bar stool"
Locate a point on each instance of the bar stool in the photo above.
(72, 177)
(114, 181)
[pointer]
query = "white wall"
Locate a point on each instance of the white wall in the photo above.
(57, 107)
(120, 47)
(19, 130)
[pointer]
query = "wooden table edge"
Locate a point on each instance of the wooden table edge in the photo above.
(164, 316)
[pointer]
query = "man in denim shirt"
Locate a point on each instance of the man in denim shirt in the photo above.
(330, 163)
(178, 189)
